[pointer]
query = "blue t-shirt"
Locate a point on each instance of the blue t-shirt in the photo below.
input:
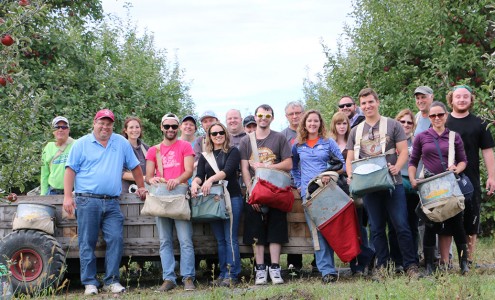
(99, 169)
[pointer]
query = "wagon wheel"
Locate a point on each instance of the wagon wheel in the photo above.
(36, 260)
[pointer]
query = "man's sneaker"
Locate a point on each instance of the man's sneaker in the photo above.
(261, 277)
(114, 288)
(413, 272)
(189, 284)
(90, 289)
(167, 285)
(275, 275)
(330, 278)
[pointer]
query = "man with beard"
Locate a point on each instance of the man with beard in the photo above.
(177, 159)
(348, 107)
(274, 153)
(476, 136)
(233, 120)
(94, 170)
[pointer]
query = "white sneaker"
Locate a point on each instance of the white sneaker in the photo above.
(114, 288)
(90, 289)
(275, 276)
(261, 277)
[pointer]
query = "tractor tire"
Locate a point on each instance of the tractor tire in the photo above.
(35, 258)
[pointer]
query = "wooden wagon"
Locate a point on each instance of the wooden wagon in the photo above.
(38, 255)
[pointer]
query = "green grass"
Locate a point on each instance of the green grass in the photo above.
(478, 284)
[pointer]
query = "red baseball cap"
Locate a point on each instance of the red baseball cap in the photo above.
(104, 113)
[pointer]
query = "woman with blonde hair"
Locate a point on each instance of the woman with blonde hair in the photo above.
(228, 159)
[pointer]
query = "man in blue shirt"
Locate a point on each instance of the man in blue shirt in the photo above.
(94, 169)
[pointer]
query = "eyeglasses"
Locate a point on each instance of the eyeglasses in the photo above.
(433, 116)
(346, 105)
(215, 133)
(406, 122)
(293, 114)
(371, 136)
(266, 116)
(63, 127)
(167, 126)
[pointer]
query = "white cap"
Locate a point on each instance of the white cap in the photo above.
(58, 119)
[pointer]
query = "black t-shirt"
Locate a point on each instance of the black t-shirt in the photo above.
(475, 136)
(227, 162)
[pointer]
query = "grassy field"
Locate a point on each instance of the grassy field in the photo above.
(478, 284)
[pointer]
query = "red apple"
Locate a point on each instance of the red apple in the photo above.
(10, 80)
(478, 80)
(7, 40)
(386, 68)
(452, 83)
(471, 72)
(24, 2)
(3, 81)
(12, 197)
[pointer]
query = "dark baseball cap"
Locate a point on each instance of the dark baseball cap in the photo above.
(248, 120)
(191, 118)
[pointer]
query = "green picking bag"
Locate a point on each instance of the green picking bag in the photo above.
(210, 207)
(370, 175)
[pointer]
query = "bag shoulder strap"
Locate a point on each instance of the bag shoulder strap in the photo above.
(62, 149)
(451, 157)
(357, 140)
(159, 160)
(144, 150)
(382, 130)
(212, 161)
(254, 146)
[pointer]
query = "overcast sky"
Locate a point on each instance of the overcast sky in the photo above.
(239, 53)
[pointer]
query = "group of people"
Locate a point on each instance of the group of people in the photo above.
(101, 165)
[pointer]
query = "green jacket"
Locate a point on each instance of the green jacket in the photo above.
(52, 173)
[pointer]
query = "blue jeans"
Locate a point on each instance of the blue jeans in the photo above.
(93, 214)
(324, 256)
(52, 191)
(184, 234)
(221, 230)
(393, 203)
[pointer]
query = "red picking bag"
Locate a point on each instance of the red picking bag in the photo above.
(266, 193)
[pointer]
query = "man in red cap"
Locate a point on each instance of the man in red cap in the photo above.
(94, 168)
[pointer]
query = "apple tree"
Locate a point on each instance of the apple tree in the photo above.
(66, 59)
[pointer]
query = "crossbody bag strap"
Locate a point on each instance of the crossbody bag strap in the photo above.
(144, 150)
(440, 153)
(254, 146)
(61, 149)
(382, 131)
(159, 160)
(451, 157)
(357, 140)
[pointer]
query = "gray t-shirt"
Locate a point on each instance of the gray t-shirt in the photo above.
(272, 149)
(370, 143)
(422, 123)
(290, 135)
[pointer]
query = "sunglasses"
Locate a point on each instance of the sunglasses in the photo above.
(346, 105)
(406, 122)
(267, 116)
(63, 127)
(215, 133)
(371, 135)
(167, 126)
(433, 116)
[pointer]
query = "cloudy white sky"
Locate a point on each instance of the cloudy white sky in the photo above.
(240, 53)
